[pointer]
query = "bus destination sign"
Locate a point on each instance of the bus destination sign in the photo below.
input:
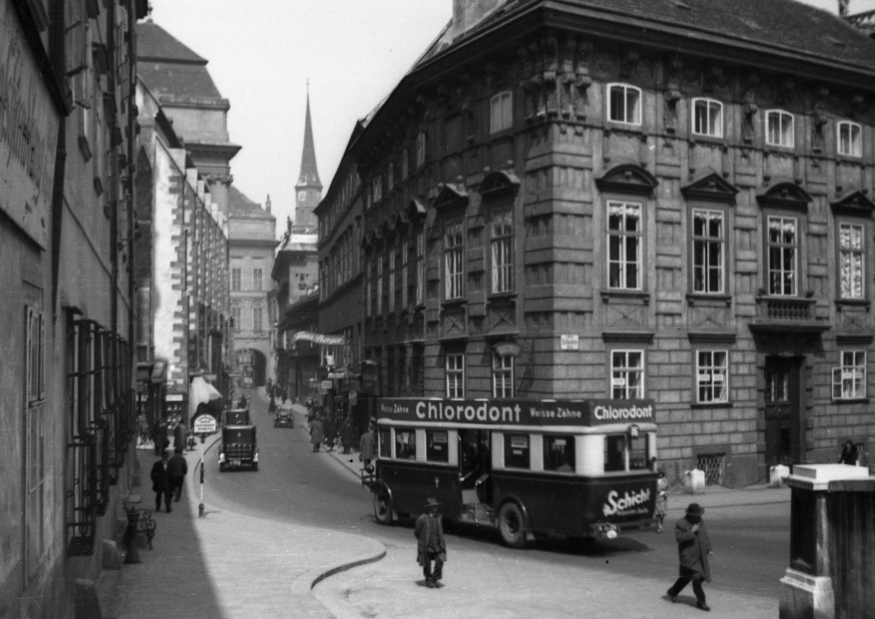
(518, 412)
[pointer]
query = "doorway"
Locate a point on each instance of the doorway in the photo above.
(783, 410)
(475, 465)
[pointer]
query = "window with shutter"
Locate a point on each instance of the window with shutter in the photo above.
(76, 39)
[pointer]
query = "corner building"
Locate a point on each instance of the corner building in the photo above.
(663, 200)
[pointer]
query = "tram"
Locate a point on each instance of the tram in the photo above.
(579, 468)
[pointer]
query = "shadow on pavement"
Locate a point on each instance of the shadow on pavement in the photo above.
(173, 579)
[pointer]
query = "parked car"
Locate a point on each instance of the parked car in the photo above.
(285, 416)
(238, 448)
(236, 417)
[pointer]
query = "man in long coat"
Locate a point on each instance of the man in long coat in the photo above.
(162, 484)
(317, 431)
(429, 531)
(694, 550)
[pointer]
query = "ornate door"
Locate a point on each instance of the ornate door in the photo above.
(783, 411)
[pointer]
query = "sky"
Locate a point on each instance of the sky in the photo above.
(353, 52)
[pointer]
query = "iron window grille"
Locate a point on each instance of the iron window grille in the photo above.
(714, 466)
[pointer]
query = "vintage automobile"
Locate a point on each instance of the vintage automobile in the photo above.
(236, 417)
(284, 417)
(238, 448)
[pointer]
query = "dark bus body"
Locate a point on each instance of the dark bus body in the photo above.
(573, 468)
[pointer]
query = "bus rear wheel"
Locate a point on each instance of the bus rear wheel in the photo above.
(383, 507)
(512, 525)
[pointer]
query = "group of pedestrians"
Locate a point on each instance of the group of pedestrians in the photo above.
(168, 476)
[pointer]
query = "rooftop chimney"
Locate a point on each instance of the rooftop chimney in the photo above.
(469, 13)
(843, 7)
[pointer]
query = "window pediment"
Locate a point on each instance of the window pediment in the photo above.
(498, 182)
(627, 178)
(784, 193)
(710, 186)
(853, 202)
(389, 226)
(450, 196)
(367, 239)
(416, 210)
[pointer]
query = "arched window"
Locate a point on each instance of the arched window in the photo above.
(624, 104)
(780, 128)
(850, 139)
(708, 118)
(501, 112)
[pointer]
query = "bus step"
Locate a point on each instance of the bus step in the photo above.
(477, 513)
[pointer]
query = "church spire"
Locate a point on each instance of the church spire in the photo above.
(309, 174)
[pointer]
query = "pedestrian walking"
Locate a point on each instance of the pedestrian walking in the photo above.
(159, 437)
(142, 429)
(347, 435)
(368, 446)
(694, 551)
(330, 433)
(317, 432)
(431, 546)
(241, 403)
(849, 454)
(178, 468)
(661, 501)
(180, 432)
(161, 482)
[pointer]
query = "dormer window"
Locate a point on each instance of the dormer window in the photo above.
(378, 188)
(708, 118)
(850, 139)
(405, 163)
(501, 112)
(390, 176)
(779, 128)
(624, 104)
(420, 149)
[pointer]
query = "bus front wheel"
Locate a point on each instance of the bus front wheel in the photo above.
(383, 506)
(512, 525)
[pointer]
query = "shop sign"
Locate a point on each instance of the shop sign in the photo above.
(174, 397)
(569, 342)
(28, 132)
(204, 424)
(353, 397)
(326, 385)
(340, 374)
(319, 338)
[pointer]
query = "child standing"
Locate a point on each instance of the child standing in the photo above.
(661, 500)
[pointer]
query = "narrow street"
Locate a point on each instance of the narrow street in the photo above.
(295, 485)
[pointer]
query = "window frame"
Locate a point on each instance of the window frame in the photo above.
(508, 446)
(501, 245)
(698, 369)
(623, 234)
(236, 279)
(863, 253)
(781, 114)
(454, 377)
(694, 117)
(410, 431)
(609, 111)
(797, 276)
(505, 120)
(454, 261)
(430, 433)
(839, 381)
(724, 250)
(855, 146)
(421, 149)
(391, 279)
(503, 376)
(640, 370)
(547, 442)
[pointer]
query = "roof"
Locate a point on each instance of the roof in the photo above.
(309, 173)
(155, 43)
(170, 68)
(239, 202)
(782, 25)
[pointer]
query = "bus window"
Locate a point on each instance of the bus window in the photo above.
(437, 446)
(638, 453)
(516, 451)
(615, 453)
(385, 438)
(405, 444)
(559, 454)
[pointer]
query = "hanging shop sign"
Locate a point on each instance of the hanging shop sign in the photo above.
(318, 338)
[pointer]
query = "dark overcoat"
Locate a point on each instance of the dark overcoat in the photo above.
(422, 530)
(693, 549)
(317, 431)
(160, 476)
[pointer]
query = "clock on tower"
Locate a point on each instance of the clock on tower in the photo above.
(302, 195)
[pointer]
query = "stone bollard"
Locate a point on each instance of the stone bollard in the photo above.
(694, 481)
(132, 556)
(777, 475)
(830, 569)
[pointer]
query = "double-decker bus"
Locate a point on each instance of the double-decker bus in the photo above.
(527, 468)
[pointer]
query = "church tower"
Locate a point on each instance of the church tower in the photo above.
(309, 187)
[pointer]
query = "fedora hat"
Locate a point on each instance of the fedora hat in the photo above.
(432, 502)
(695, 509)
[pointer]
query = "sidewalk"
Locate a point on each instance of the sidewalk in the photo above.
(214, 567)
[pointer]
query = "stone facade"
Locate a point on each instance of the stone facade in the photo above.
(560, 207)
(66, 243)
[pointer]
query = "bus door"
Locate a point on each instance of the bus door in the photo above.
(475, 466)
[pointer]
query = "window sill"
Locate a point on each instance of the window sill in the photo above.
(710, 140)
(777, 149)
(853, 303)
(710, 405)
(497, 297)
(621, 294)
(852, 159)
(613, 125)
(700, 297)
(454, 302)
(850, 401)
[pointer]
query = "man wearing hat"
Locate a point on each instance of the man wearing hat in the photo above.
(432, 547)
(694, 550)
(162, 483)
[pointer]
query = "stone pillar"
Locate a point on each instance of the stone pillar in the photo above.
(807, 590)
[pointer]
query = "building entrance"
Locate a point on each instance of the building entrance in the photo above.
(783, 414)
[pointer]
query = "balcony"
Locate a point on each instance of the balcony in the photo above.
(787, 315)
